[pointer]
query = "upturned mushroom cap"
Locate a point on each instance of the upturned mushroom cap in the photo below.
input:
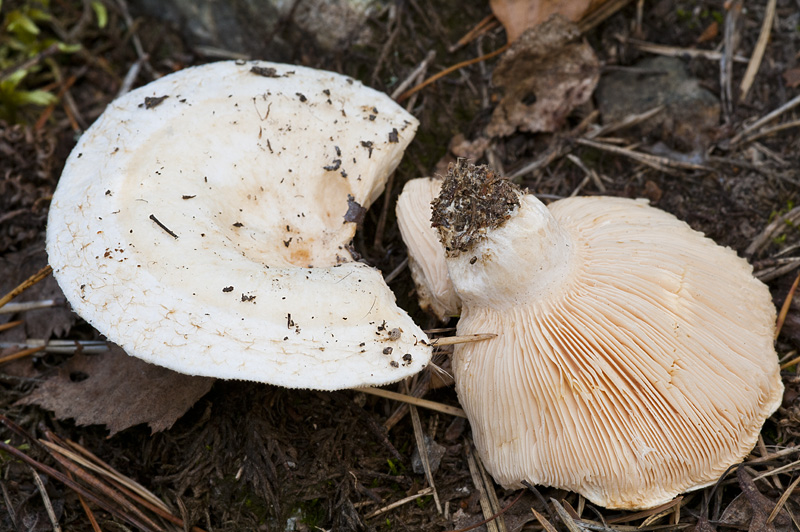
(203, 224)
(425, 254)
(634, 357)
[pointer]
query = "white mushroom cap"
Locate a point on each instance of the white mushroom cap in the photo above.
(425, 254)
(634, 357)
(202, 223)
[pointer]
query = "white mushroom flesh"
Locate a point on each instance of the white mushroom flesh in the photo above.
(426, 259)
(203, 224)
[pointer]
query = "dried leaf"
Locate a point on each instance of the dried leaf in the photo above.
(517, 16)
(792, 77)
(118, 391)
(42, 323)
(710, 33)
(761, 506)
(546, 74)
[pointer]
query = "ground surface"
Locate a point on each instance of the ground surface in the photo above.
(251, 456)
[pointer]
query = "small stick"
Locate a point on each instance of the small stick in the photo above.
(730, 40)
(424, 403)
(547, 525)
(492, 494)
(422, 67)
(13, 308)
(477, 481)
(487, 24)
(791, 104)
(102, 488)
(73, 485)
(785, 307)
(773, 456)
(394, 273)
(449, 70)
(672, 51)
(27, 283)
(663, 164)
(377, 242)
(421, 493)
(603, 12)
(778, 505)
(62, 347)
(10, 325)
(21, 354)
(758, 51)
(772, 130)
(112, 475)
(162, 226)
(772, 472)
(467, 339)
(48, 506)
(419, 436)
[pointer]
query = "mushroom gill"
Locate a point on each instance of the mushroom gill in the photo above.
(634, 356)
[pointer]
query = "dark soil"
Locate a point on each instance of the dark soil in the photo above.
(256, 457)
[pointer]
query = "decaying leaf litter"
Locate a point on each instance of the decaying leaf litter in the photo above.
(248, 456)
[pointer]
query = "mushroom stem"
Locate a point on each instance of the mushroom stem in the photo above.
(489, 260)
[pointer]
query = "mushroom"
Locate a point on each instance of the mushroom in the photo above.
(203, 224)
(426, 259)
(634, 357)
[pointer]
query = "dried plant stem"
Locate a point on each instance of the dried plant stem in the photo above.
(663, 164)
(100, 487)
(421, 493)
(105, 471)
(778, 505)
(419, 436)
(450, 70)
(27, 283)
(773, 456)
(48, 506)
(788, 106)
(10, 325)
(487, 24)
(785, 307)
(467, 339)
(423, 403)
(758, 51)
(73, 485)
(13, 308)
(418, 70)
(546, 525)
(477, 481)
(673, 51)
(21, 354)
(600, 14)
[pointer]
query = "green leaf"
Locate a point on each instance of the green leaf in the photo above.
(39, 15)
(20, 23)
(101, 13)
(36, 97)
(68, 48)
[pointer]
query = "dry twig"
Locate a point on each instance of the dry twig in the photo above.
(27, 283)
(758, 52)
(424, 403)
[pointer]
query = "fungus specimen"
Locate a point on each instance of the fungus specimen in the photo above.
(203, 223)
(634, 357)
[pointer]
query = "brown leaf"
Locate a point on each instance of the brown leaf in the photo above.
(15, 267)
(118, 391)
(792, 77)
(761, 506)
(710, 33)
(516, 16)
(545, 74)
